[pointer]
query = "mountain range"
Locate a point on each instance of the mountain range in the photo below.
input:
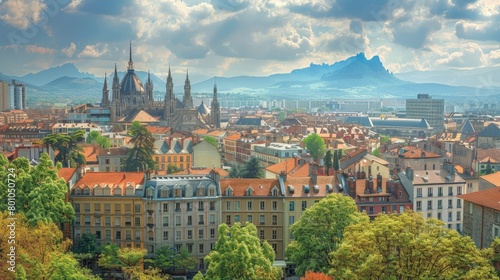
(355, 77)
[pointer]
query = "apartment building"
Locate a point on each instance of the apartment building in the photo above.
(174, 151)
(424, 107)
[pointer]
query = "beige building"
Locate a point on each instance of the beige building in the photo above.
(4, 96)
(206, 155)
(183, 211)
(111, 159)
(257, 201)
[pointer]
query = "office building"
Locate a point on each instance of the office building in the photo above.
(424, 107)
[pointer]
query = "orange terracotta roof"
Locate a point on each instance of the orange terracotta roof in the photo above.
(200, 131)
(286, 165)
(261, 187)
(112, 179)
(203, 171)
(493, 178)
(66, 173)
(90, 152)
(158, 129)
(414, 152)
(217, 133)
(298, 184)
(233, 137)
(489, 198)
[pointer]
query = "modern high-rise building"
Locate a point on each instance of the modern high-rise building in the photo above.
(17, 96)
(424, 107)
(4, 96)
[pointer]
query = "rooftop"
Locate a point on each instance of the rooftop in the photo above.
(488, 198)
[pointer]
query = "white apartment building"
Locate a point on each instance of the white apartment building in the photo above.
(436, 194)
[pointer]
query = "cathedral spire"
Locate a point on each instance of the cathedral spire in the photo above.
(105, 87)
(130, 63)
(187, 75)
(215, 109)
(149, 77)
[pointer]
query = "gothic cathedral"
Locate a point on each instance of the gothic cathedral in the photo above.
(130, 97)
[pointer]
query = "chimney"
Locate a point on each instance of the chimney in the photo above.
(389, 186)
(283, 176)
(397, 189)
(351, 184)
(314, 177)
(409, 173)
(215, 176)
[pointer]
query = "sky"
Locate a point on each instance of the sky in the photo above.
(246, 37)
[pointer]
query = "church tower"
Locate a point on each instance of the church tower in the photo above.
(215, 110)
(149, 88)
(188, 99)
(115, 103)
(105, 94)
(169, 100)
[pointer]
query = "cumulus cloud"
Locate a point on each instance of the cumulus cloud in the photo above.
(415, 33)
(494, 57)
(21, 13)
(38, 49)
(478, 30)
(469, 55)
(94, 51)
(70, 50)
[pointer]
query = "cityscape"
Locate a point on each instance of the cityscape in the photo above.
(241, 139)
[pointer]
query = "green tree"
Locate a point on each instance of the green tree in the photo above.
(172, 168)
(328, 162)
(140, 156)
(96, 137)
(252, 169)
(315, 145)
(166, 258)
(336, 165)
(407, 246)
(376, 152)
(39, 192)
(239, 255)
(198, 276)
(69, 151)
(236, 170)
(319, 232)
(384, 139)
(211, 140)
(129, 260)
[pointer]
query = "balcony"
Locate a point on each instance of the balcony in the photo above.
(201, 223)
(212, 208)
(177, 209)
(150, 226)
(150, 212)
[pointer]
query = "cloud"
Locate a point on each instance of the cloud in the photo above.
(94, 51)
(69, 51)
(21, 13)
(494, 57)
(38, 49)
(414, 34)
(230, 5)
(481, 31)
(469, 55)
(108, 7)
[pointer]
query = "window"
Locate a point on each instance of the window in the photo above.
(190, 220)
(189, 234)
(178, 235)
(384, 209)
(275, 247)
(108, 234)
(275, 205)
(212, 219)
(236, 218)
(292, 206)
(419, 192)
(200, 220)
(291, 220)
(128, 235)
(177, 220)
(107, 221)
(200, 234)
(450, 216)
(459, 203)
(228, 220)
(212, 205)
(201, 248)
(237, 205)
(201, 264)
(262, 220)
(450, 203)
(304, 205)
(459, 190)
(97, 207)
(429, 205)
(86, 207)
(137, 208)
(275, 220)
(128, 221)
(165, 207)
(165, 221)
(77, 208)
(228, 205)
(249, 205)
(137, 235)
(261, 234)
(118, 221)
(212, 233)
(262, 205)
(439, 216)
(459, 215)
(97, 221)
(200, 205)
(177, 207)
(459, 229)
(450, 190)
(189, 206)
(275, 192)
(190, 248)
(87, 220)
(275, 234)
(249, 218)
(440, 191)
(440, 204)
(118, 209)
(429, 192)
(118, 234)
(128, 208)
(419, 205)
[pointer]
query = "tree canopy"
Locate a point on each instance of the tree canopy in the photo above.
(319, 232)
(40, 193)
(211, 140)
(140, 156)
(96, 137)
(129, 260)
(315, 145)
(69, 151)
(166, 258)
(252, 169)
(407, 246)
(240, 255)
(328, 161)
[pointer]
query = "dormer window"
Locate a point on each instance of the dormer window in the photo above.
(274, 192)
(249, 192)
(229, 192)
(201, 191)
(86, 191)
(149, 193)
(177, 192)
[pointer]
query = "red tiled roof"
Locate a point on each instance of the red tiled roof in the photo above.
(286, 165)
(233, 137)
(261, 187)
(298, 184)
(203, 171)
(489, 198)
(158, 129)
(112, 179)
(66, 173)
(493, 178)
(90, 153)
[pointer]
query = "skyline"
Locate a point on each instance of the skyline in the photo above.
(240, 37)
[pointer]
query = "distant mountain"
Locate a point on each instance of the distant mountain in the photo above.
(46, 76)
(71, 83)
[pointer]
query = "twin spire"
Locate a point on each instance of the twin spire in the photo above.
(130, 62)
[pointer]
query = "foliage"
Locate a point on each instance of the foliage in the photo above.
(198, 276)
(140, 156)
(149, 274)
(86, 244)
(39, 192)
(336, 165)
(252, 169)
(384, 139)
(319, 232)
(407, 246)
(315, 145)
(172, 168)
(376, 152)
(96, 137)
(166, 258)
(211, 140)
(328, 161)
(239, 255)
(236, 170)
(41, 252)
(310, 275)
(69, 152)
(128, 259)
